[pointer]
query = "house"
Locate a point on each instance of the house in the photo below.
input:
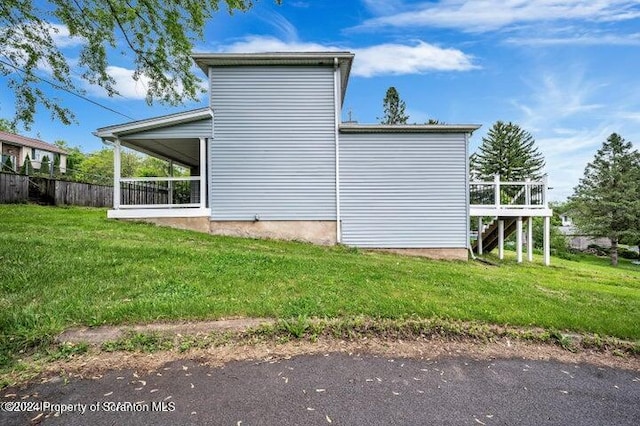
(576, 239)
(271, 158)
(16, 148)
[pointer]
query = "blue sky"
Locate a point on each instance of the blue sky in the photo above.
(565, 70)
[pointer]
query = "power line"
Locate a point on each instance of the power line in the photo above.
(59, 87)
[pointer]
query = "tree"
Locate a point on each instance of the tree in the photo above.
(75, 157)
(509, 151)
(27, 167)
(393, 108)
(606, 202)
(157, 35)
(7, 126)
(45, 165)
(7, 165)
(56, 164)
(98, 166)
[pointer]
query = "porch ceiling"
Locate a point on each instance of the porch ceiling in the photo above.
(184, 151)
(174, 137)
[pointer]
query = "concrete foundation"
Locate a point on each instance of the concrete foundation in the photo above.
(313, 231)
(200, 224)
(432, 253)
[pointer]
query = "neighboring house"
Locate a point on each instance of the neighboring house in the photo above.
(16, 148)
(576, 239)
(271, 158)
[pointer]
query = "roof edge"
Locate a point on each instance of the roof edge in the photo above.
(26, 140)
(326, 58)
(113, 131)
(409, 128)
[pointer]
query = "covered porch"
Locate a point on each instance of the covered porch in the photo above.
(178, 139)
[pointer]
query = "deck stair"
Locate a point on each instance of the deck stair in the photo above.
(490, 234)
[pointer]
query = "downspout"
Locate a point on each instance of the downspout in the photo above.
(209, 144)
(467, 196)
(336, 98)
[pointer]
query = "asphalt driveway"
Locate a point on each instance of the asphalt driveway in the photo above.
(339, 389)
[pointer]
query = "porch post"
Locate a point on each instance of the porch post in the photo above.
(170, 198)
(480, 235)
(519, 239)
(530, 239)
(496, 183)
(501, 239)
(203, 173)
(547, 242)
(116, 174)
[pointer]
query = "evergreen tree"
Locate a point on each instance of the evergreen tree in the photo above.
(56, 164)
(7, 165)
(606, 202)
(394, 108)
(45, 165)
(27, 167)
(509, 151)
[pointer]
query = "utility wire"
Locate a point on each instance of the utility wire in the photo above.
(59, 87)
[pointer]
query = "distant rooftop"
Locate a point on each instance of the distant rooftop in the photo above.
(12, 138)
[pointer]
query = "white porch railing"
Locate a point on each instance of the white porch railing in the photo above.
(160, 192)
(509, 195)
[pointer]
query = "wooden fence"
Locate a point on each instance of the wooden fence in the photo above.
(60, 193)
(13, 188)
(20, 189)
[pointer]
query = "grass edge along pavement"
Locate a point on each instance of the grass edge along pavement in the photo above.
(66, 267)
(298, 329)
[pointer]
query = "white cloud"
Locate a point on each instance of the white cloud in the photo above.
(62, 38)
(569, 125)
(383, 7)
(556, 98)
(406, 59)
(489, 15)
(281, 24)
(582, 40)
(257, 44)
(632, 116)
(382, 59)
(124, 84)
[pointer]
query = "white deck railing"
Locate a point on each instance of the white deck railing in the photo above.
(160, 192)
(508, 195)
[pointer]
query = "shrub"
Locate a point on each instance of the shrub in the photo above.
(45, 165)
(27, 167)
(598, 250)
(7, 165)
(628, 254)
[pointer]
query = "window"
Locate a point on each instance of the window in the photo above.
(12, 160)
(38, 155)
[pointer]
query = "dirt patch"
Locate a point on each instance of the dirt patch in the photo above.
(94, 364)
(269, 344)
(99, 335)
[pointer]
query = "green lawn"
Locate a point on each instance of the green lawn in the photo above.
(62, 267)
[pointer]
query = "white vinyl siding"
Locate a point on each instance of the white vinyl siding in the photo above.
(273, 152)
(403, 190)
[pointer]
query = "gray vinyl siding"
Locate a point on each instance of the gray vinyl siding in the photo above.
(273, 152)
(403, 190)
(194, 129)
